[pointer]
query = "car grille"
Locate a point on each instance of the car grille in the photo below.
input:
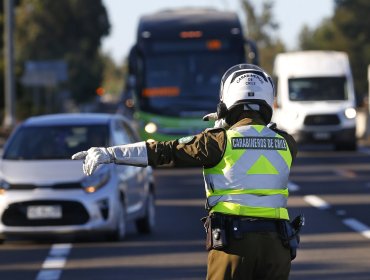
(73, 213)
(63, 186)
(322, 120)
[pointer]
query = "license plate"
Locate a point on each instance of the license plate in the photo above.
(44, 212)
(321, 135)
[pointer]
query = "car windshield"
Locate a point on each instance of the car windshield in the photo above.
(54, 142)
(317, 89)
(177, 84)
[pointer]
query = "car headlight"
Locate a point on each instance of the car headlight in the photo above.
(150, 127)
(96, 181)
(3, 186)
(350, 113)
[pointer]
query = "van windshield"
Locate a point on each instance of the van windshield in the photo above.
(317, 89)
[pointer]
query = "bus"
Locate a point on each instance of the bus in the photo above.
(175, 68)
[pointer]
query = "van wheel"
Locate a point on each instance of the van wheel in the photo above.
(146, 224)
(119, 233)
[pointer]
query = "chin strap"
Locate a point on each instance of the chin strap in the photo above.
(130, 154)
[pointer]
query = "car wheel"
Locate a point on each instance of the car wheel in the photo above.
(146, 224)
(346, 146)
(120, 231)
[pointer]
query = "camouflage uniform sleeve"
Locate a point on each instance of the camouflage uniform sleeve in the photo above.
(204, 149)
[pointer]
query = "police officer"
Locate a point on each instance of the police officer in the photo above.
(246, 163)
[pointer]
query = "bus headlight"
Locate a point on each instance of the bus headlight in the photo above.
(350, 113)
(150, 127)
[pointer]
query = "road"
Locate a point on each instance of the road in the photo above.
(332, 190)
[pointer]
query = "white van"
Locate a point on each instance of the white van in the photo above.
(315, 97)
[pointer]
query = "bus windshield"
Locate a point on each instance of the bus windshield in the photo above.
(186, 84)
(317, 89)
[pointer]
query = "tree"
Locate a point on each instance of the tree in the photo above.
(324, 37)
(352, 18)
(70, 30)
(348, 30)
(113, 76)
(262, 28)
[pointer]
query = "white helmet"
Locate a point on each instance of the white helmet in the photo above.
(246, 84)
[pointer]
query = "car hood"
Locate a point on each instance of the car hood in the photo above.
(38, 172)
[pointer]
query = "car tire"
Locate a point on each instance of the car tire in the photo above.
(146, 224)
(346, 146)
(119, 233)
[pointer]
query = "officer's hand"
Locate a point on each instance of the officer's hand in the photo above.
(92, 158)
(210, 117)
(219, 123)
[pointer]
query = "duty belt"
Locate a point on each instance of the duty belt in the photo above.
(246, 225)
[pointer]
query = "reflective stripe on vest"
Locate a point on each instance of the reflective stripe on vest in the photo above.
(251, 178)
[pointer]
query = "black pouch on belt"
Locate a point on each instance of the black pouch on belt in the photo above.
(289, 233)
(215, 225)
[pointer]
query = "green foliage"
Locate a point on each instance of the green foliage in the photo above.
(348, 30)
(113, 77)
(70, 30)
(262, 29)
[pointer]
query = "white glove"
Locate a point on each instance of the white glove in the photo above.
(92, 158)
(219, 123)
(210, 117)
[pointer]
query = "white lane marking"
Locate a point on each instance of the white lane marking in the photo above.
(316, 202)
(293, 187)
(350, 222)
(49, 274)
(54, 262)
(357, 226)
(60, 249)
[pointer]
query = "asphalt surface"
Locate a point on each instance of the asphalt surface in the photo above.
(332, 190)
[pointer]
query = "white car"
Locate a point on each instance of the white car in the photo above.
(43, 191)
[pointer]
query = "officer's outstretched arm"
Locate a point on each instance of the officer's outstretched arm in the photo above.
(130, 154)
(219, 123)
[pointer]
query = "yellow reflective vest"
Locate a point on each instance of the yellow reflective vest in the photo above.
(251, 178)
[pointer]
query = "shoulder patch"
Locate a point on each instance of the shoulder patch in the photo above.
(187, 139)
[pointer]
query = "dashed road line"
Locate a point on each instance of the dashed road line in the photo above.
(293, 187)
(54, 262)
(316, 202)
(352, 223)
(358, 226)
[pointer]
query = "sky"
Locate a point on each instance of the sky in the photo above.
(291, 15)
